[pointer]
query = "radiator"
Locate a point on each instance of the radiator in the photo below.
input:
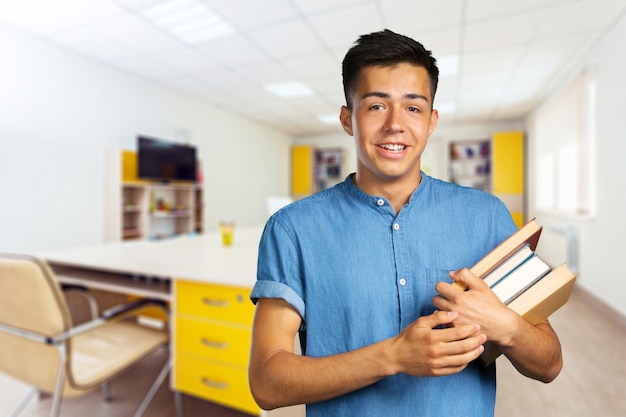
(558, 244)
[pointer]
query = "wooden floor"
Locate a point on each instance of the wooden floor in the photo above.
(592, 383)
(593, 379)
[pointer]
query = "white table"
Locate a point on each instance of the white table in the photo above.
(147, 268)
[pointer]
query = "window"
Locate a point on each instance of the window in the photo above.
(564, 151)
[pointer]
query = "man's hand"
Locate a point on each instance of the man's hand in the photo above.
(534, 350)
(425, 349)
(478, 304)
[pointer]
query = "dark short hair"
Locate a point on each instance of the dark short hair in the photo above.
(385, 48)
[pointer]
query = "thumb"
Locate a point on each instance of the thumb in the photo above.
(464, 279)
(458, 281)
(437, 319)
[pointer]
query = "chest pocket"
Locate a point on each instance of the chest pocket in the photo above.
(431, 277)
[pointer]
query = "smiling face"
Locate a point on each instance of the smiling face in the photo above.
(391, 120)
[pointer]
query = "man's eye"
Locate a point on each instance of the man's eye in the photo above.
(376, 107)
(414, 109)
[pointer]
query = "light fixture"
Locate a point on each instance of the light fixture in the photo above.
(289, 89)
(189, 20)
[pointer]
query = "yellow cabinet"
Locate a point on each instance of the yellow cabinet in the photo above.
(213, 325)
(216, 382)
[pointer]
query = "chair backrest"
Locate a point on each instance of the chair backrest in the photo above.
(31, 300)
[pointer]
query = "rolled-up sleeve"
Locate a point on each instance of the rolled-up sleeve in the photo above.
(278, 267)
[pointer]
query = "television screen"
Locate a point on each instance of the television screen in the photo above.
(165, 160)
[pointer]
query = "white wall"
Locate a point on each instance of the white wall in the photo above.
(61, 111)
(601, 238)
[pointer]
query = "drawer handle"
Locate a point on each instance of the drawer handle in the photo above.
(215, 303)
(214, 344)
(213, 384)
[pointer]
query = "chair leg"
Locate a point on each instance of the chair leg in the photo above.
(58, 389)
(153, 389)
(178, 403)
(20, 407)
(106, 392)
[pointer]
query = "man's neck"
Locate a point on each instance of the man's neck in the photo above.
(397, 192)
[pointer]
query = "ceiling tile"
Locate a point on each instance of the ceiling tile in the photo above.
(442, 42)
(226, 80)
(137, 34)
(342, 27)
(513, 30)
(483, 9)
(407, 16)
(187, 60)
(495, 59)
(90, 43)
(148, 67)
(251, 15)
(580, 17)
(321, 6)
(313, 65)
(233, 52)
(265, 73)
(287, 40)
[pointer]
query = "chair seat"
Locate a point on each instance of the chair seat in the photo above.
(104, 352)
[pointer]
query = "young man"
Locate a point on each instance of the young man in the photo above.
(362, 271)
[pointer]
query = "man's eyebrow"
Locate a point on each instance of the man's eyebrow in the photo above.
(378, 94)
(414, 96)
(408, 96)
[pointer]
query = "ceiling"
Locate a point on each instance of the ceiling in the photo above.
(498, 57)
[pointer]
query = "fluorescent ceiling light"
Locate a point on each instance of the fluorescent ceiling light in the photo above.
(188, 20)
(290, 89)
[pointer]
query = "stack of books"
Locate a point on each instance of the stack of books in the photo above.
(522, 280)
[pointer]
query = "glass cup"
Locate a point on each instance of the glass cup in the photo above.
(227, 230)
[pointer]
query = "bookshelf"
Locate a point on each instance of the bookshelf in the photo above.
(470, 163)
(145, 210)
(315, 169)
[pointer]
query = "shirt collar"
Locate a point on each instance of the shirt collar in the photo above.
(351, 188)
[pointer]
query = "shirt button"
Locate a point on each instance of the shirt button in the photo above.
(396, 226)
(402, 281)
(381, 202)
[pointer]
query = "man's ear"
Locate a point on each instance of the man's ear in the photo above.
(345, 117)
(434, 118)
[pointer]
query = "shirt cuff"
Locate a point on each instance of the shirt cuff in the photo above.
(273, 289)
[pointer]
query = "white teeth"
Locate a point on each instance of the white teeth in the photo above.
(393, 147)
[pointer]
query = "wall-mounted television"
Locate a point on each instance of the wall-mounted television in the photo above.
(165, 160)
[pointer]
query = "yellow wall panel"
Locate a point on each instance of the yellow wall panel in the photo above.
(508, 162)
(518, 218)
(301, 170)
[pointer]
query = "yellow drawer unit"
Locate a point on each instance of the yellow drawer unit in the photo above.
(213, 327)
(229, 344)
(216, 382)
(220, 302)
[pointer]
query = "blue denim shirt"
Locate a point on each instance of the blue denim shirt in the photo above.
(359, 274)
